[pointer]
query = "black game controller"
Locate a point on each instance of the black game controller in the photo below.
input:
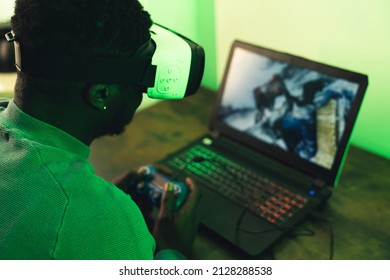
(153, 186)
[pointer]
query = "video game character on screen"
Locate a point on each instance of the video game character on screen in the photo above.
(296, 109)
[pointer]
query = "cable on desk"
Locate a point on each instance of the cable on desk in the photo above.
(305, 231)
(321, 218)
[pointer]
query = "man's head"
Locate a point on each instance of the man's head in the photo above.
(82, 27)
(90, 28)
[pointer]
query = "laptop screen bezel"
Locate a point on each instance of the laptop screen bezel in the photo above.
(313, 170)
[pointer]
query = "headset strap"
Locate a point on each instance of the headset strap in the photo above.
(136, 69)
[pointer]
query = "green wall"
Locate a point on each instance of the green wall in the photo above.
(6, 9)
(194, 19)
(349, 34)
(346, 33)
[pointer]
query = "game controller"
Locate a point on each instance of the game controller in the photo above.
(153, 186)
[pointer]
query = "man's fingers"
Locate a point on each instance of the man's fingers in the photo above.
(193, 198)
(194, 193)
(168, 200)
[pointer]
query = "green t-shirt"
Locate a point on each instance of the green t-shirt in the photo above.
(53, 206)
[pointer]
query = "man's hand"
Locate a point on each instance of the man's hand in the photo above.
(171, 230)
(177, 230)
(128, 183)
(124, 181)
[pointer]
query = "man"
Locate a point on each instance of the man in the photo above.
(52, 205)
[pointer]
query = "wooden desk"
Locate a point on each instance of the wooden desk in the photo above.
(358, 210)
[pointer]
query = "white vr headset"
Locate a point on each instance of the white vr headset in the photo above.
(168, 66)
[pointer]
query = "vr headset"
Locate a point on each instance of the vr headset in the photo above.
(168, 66)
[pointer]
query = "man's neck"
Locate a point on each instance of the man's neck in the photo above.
(68, 120)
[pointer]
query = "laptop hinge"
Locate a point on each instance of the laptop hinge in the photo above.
(319, 184)
(214, 134)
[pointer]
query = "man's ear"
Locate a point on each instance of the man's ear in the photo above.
(97, 96)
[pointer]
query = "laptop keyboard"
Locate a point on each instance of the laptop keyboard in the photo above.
(272, 202)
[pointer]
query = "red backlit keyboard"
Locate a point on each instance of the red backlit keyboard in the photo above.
(271, 201)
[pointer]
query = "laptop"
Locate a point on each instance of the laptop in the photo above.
(276, 143)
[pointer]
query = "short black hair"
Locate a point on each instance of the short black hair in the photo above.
(82, 27)
(76, 27)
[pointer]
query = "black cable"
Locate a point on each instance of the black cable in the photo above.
(236, 180)
(320, 217)
(308, 232)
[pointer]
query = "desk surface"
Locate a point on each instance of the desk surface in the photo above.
(357, 213)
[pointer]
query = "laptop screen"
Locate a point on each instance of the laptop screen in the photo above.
(302, 109)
